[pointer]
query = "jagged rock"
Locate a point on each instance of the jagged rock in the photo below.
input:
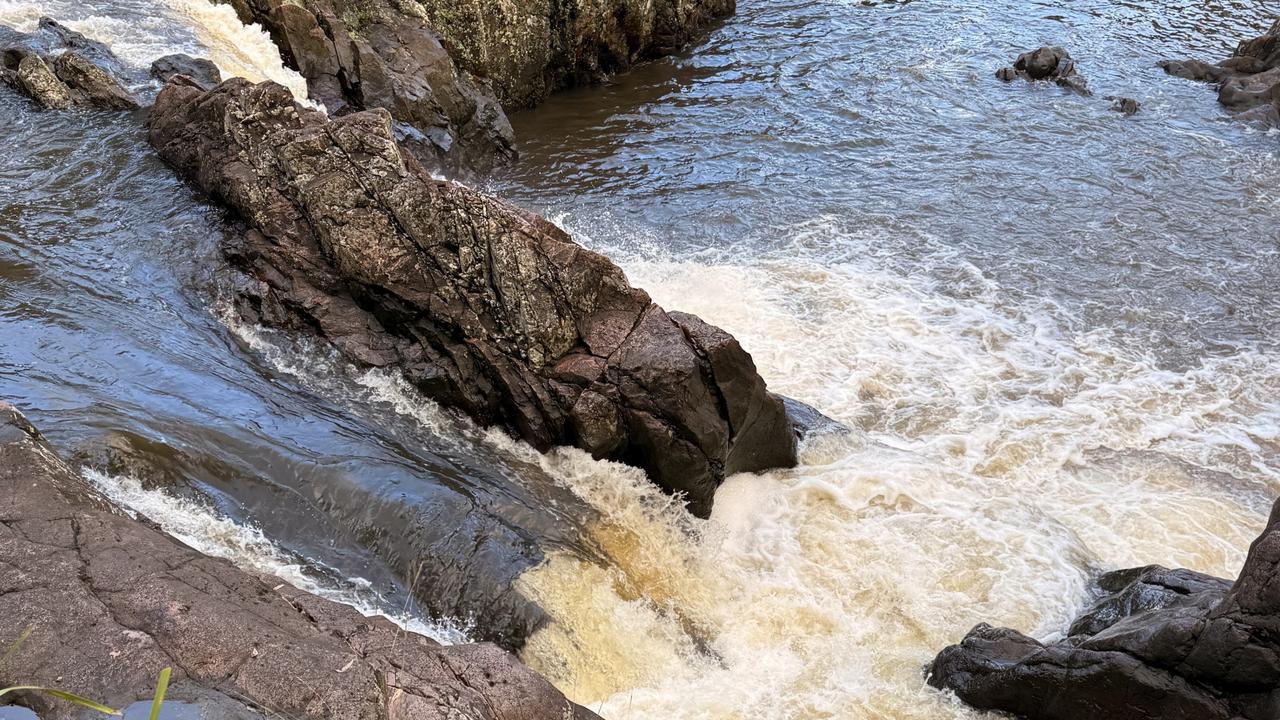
(60, 68)
(1046, 63)
(808, 421)
(529, 49)
(203, 71)
(1248, 81)
(484, 307)
(364, 54)
(111, 600)
(1164, 645)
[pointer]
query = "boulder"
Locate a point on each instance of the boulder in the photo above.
(109, 600)
(483, 307)
(1125, 106)
(1046, 63)
(530, 49)
(59, 68)
(1248, 81)
(1160, 645)
(365, 54)
(203, 71)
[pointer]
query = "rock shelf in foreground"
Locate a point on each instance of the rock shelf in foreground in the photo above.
(111, 600)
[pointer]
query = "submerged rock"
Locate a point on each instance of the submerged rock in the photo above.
(203, 71)
(1125, 106)
(1046, 63)
(1162, 645)
(59, 68)
(1248, 81)
(365, 54)
(110, 600)
(484, 307)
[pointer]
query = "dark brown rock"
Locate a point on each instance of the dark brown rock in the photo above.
(111, 600)
(1125, 106)
(531, 48)
(1248, 81)
(485, 307)
(1046, 63)
(1162, 645)
(203, 71)
(365, 54)
(59, 68)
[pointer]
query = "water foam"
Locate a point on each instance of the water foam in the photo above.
(250, 550)
(998, 458)
(139, 31)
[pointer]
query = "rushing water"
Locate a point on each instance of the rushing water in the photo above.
(1046, 324)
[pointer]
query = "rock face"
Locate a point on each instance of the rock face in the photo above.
(203, 71)
(1248, 81)
(59, 68)
(364, 54)
(484, 307)
(531, 48)
(1046, 63)
(111, 600)
(1163, 645)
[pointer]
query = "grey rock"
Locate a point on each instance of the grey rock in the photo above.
(202, 70)
(1248, 81)
(1049, 64)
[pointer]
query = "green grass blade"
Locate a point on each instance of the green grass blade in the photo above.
(162, 685)
(62, 695)
(16, 646)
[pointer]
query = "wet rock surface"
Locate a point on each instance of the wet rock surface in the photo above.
(531, 49)
(202, 70)
(1248, 82)
(484, 307)
(1048, 64)
(364, 54)
(59, 68)
(111, 600)
(1162, 645)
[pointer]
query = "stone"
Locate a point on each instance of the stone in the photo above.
(110, 600)
(484, 307)
(1125, 106)
(59, 68)
(1248, 81)
(36, 79)
(203, 71)
(1161, 645)
(90, 84)
(1046, 63)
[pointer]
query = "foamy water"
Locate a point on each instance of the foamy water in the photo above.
(249, 549)
(139, 31)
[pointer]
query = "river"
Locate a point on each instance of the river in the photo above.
(1048, 325)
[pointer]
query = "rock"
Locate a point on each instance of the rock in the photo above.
(1125, 106)
(484, 307)
(365, 54)
(1248, 81)
(1046, 63)
(1162, 645)
(59, 68)
(90, 84)
(529, 48)
(808, 421)
(204, 72)
(111, 600)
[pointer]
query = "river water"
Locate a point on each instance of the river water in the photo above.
(1047, 324)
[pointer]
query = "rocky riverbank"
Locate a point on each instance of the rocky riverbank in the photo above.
(110, 600)
(1161, 644)
(1248, 82)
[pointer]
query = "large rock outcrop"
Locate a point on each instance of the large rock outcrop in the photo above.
(484, 307)
(529, 49)
(364, 54)
(110, 600)
(1162, 645)
(59, 68)
(1248, 81)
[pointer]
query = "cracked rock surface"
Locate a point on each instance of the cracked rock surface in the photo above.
(59, 68)
(1160, 645)
(111, 600)
(484, 307)
(1248, 81)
